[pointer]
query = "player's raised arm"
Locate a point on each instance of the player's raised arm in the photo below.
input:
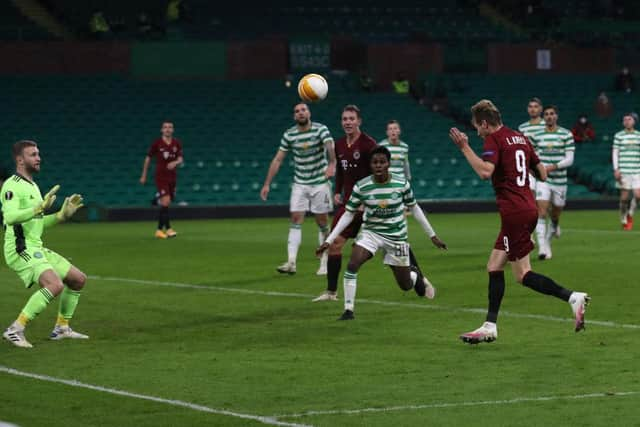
(12, 212)
(483, 168)
(274, 167)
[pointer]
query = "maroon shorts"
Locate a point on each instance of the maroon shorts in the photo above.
(165, 188)
(352, 229)
(515, 234)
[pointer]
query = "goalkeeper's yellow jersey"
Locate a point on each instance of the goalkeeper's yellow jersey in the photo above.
(18, 194)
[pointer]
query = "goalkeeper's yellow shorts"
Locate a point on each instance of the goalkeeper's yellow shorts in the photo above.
(32, 262)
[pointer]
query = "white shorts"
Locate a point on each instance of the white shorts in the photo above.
(532, 182)
(629, 182)
(395, 253)
(314, 198)
(556, 194)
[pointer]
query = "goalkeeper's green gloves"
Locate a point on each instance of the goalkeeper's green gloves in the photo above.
(69, 207)
(47, 201)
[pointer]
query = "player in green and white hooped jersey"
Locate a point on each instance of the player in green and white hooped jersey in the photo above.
(23, 211)
(533, 125)
(626, 168)
(399, 151)
(555, 148)
(399, 163)
(384, 197)
(310, 143)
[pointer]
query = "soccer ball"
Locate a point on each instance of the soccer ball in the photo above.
(313, 88)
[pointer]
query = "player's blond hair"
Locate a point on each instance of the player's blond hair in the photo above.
(487, 111)
(18, 147)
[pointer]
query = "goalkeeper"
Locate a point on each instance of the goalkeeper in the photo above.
(23, 210)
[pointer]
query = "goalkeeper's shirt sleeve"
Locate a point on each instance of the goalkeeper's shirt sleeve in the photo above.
(50, 220)
(11, 211)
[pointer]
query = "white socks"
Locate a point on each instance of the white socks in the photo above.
(414, 277)
(322, 236)
(541, 233)
(293, 243)
(350, 284)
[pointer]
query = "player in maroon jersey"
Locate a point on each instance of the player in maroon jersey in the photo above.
(507, 158)
(167, 151)
(353, 164)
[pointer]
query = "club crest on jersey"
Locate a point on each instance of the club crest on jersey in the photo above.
(38, 255)
(175, 149)
(395, 195)
(8, 195)
(356, 155)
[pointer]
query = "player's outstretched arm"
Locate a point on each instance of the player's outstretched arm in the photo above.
(274, 167)
(483, 168)
(344, 222)
(419, 215)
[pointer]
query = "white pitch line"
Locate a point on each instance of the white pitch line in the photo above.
(73, 383)
(363, 301)
(460, 404)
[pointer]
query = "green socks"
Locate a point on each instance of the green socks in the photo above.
(36, 304)
(68, 303)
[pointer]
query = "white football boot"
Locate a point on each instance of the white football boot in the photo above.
(16, 337)
(488, 332)
(63, 332)
(579, 302)
(326, 296)
(287, 268)
(430, 291)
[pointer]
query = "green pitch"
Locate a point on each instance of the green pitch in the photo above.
(183, 330)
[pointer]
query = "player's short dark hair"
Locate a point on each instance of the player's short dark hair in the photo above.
(536, 100)
(167, 121)
(487, 111)
(393, 122)
(353, 108)
(18, 147)
(550, 107)
(380, 150)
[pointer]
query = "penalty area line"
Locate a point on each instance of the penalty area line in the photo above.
(604, 323)
(460, 404)
(195, 407)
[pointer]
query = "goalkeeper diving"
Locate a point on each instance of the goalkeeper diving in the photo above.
(25, 219)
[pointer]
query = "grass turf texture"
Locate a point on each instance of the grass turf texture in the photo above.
(248, 340)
